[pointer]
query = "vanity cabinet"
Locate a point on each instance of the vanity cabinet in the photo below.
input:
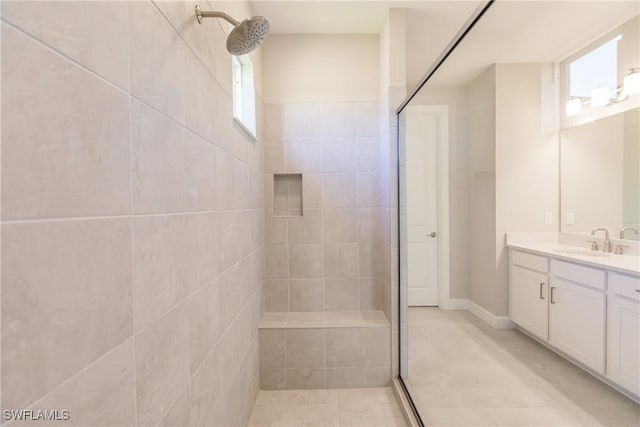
(577, 312)
(561, 303)
(586, 313)
(623, 331)
(528, 293)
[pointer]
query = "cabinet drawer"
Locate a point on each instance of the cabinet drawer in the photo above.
(626, 286)
(578, 273)
(532, 262)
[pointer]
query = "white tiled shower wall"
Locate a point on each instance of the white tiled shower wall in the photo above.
(132, 221)
(333, 256)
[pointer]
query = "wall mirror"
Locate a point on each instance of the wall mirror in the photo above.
(599, 175)
(599, 155)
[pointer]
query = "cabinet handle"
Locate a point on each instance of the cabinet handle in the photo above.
(638, 291)
(552, 301)
(541, 285)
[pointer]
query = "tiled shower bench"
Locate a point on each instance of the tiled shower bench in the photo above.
(316, 350)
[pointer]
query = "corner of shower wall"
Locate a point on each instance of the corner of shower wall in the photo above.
(389, 128)
(325, 323)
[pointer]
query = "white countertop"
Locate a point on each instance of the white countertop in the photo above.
(551, 247)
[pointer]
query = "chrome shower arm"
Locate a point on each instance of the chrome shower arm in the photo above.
(213, 14)
(245, 36)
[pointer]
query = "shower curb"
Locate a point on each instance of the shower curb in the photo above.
(405, 406)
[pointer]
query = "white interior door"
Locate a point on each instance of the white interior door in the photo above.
(422, 206)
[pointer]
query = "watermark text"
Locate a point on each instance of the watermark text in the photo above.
(36, 415)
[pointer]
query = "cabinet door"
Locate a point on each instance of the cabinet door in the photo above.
(528, 301)
(576, 322)
(623, 342)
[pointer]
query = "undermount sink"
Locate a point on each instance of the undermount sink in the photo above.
(580, 251)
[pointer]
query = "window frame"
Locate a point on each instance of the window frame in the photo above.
(244, 95)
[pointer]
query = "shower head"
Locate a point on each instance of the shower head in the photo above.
(246, 35)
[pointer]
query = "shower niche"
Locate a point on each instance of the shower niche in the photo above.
(287, 195)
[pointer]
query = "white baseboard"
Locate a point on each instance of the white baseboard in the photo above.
(455, 304)
(498, 322)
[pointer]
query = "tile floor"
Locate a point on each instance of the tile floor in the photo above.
(363, 407)
(465, 373)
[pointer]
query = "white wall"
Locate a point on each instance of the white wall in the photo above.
(321, 68)
(514, 170)
(482, 119)
(527, 176)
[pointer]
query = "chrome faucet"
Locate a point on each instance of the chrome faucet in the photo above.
(622, 230)
(606, 247)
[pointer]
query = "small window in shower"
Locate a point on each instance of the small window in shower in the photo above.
(244, 94)
(287, 194)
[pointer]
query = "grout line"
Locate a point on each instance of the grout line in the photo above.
(323, 245)
(115, 85)
(132, 228)
(358, 230)
(215, 346)
(1, 329)
(224, 332)
(179, 34)
(192, 294)
(286, 385)
(52, 49)
(121, 216)
(134, 333)
(78, 373)
(288, 247)
(192, 132)
(202, 363)
(178, 395)
(133, 320)
(357, 212)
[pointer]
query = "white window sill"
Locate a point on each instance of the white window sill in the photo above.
(245, 129)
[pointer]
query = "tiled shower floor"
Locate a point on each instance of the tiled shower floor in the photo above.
(365, 407)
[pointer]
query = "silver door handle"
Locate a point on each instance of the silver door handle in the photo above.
(433, 234)
(541, 285)
(552, 301)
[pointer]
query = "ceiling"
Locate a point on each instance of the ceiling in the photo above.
(511, 31)
(531, 31)
(348, 17)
